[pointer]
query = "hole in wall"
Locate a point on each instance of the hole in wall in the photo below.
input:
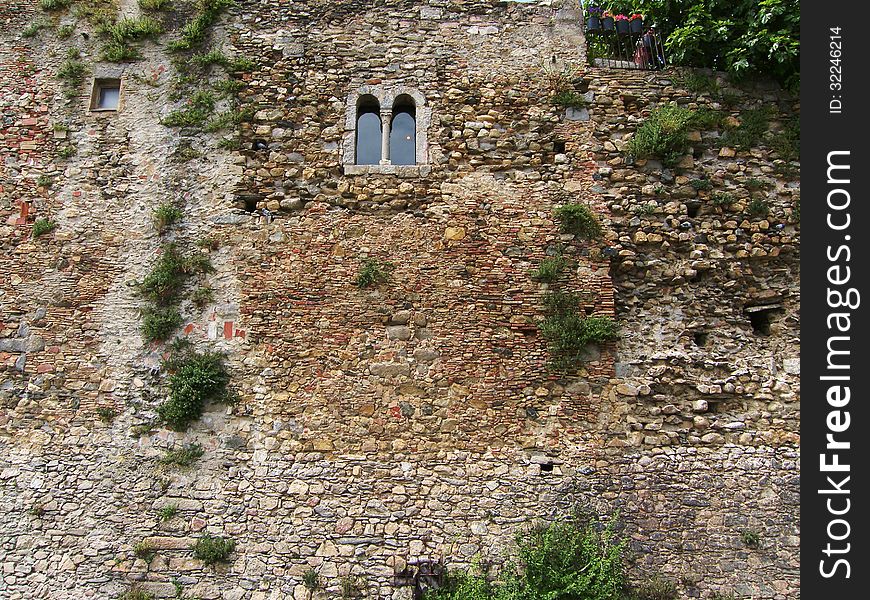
(547, 467)
(559, 147)
(700, 338)
(761, 317)
(692, 210)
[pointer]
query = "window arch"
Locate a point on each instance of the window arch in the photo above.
(386, 131)
(403, 132)
(368, 131)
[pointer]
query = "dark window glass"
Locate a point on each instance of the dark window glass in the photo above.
(368, 139)
(403, 139)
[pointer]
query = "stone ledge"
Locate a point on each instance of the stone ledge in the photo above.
(400, 170)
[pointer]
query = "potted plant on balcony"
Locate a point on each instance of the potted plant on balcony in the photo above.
(635, 23)
(607, 21)
(621, 24)
(593, 18)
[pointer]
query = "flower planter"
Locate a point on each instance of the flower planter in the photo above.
(593, 24)
(636, 26)
(622, 27)
(607, 23)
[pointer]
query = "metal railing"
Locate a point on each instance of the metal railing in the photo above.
(637, 48)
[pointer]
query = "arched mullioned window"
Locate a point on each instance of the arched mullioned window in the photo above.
(403, 132)
(385, 131)
(368, 131)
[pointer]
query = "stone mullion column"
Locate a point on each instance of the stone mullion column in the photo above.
(386, 122)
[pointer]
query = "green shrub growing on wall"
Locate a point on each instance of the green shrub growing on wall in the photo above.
(165, 215)
(568, 560)
(664, 135)
(213, 549)
(158, 323)
(43, 226)
(550, 269)
(162, 285)
(373, 272)
(568, 332)
(197, 379)
(184, 456)
(579, 220)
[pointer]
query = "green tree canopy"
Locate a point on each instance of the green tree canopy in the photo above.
(747, 38)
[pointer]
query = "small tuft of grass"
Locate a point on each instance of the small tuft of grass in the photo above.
(579, 220)
(750, 538)
(35, 27)
(311, 580)
(227, 120)
(67, 151)
(195, 32)
(373, 272)
(136, 594)
(657, 588)
(65, 31)
(197, 111)
(751, 130)
(184, 456)
(164, 216)
(701, 184)
(202, 296)
(213, 549)
(72, 71)
(155, 5)
(698, 83)
(550, 269)
(758, 207)
(43, 226)
(167, 512)
(722, 199)
(52, 5)
(144, 550)
(44, 181)
(208, 243)
(569, 99)
(106, 413)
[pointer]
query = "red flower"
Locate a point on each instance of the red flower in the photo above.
(635, 16)
(621, 18)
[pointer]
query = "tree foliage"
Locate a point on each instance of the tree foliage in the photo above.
(746, 38)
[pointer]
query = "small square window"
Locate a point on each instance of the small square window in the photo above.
(106, 94)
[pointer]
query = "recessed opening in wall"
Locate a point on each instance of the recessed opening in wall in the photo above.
(692, 209)
(106, 94)
(700, 338)
(259, 145)
(547, 467)
(559, 147)
(761, 317)
(249, 202)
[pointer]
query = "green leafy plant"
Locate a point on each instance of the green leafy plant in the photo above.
(155, 5)
(550, 269)
(657, 588)
(758, 207)
(567, 332)
(67, 151)
(208, 243)
(35, 27)
(750, 537)
(663, 135)
(722, 199)
(106, 414)
(707, 119)
(184, 456)
(352, 586)
(373, 272)
(120, 36)
(787, 143)
(144, 550)
(698, 83)
(51, 5)
(165, 215)
(701, 184)
(751, 130)
(197, 378)
(197, 111)
(563, 560)
(722, 596)
(202, 296)
(65, 31)
(167, 512)
(213, 549)
(162, 285)
(228, 119)
(136, 594)
(311, 580)
(195, 32)
(43, 226)
(578, 219)
(72, 72)
(569, 99)
(158, 323)
(44, 181)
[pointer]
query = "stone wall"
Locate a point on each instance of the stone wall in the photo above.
(416, 419)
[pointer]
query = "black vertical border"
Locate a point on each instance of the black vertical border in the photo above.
(821, 133)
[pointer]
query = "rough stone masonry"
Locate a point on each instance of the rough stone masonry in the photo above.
(417, 419)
